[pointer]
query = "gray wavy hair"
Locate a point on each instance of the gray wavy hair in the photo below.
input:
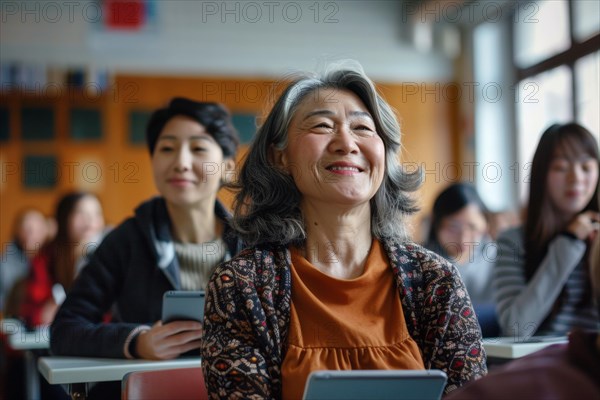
(267, 204)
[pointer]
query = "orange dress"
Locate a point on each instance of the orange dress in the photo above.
(339, 324)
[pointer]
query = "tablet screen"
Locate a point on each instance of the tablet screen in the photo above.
(375, 385)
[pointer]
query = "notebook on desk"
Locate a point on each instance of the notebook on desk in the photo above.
(375, 385)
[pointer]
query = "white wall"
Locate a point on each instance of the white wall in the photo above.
(252, 38)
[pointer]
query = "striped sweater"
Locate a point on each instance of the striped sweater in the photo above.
(524, 306)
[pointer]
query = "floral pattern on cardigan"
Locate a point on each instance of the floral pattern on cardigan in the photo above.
(247, 317)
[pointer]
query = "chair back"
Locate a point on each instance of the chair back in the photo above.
(180, 383)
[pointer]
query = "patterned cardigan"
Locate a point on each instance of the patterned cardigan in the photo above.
(247, 318)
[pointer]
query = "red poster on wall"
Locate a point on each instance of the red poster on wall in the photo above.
(124, 14)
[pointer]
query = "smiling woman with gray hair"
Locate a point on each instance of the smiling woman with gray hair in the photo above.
(331, 280)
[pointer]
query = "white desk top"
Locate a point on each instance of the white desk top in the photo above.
(8, 326)
(39, 339)
(64, 370)
(509, 347)
(21, 339)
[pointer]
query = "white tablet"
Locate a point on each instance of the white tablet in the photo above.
(375, 385)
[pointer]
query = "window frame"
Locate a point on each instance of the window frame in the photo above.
(568, 57)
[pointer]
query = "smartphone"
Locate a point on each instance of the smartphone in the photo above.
(183, 305)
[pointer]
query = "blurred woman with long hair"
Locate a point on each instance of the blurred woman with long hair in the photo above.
(541, 277)
(80, 223)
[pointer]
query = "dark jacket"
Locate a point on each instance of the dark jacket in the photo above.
(128, 274)
(247, 317)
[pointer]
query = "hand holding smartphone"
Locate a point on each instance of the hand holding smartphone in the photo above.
(183, 305)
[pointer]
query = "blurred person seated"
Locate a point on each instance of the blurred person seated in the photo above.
(541, 278)
(331, 280)
(459, 232)
(80, 226)
(30, 233)
(559, 372)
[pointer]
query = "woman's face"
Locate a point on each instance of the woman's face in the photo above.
(571, 182)
(334, 152)
(188, 164)
(33, 231)
(458, 233)
(86, 221)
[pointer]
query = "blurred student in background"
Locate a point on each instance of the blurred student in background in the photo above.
(559, 372)
(30, 233)
(31, 230)
(80, 225)
(542, 283)
(173, 242)
(459, 232)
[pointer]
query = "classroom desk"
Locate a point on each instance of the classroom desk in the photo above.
(35, 340)
(19, 338)
(511, 348)
(77, 372)
(8, 326)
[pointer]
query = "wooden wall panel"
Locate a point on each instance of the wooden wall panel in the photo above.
(428, 124)
(429, 138)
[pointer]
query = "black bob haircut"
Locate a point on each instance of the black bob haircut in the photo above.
(214, 117)
(451, 200)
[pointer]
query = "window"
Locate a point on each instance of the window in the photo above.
(587, 18)
(556, 53)
(542, 30)
(541, 98)
(587, 71)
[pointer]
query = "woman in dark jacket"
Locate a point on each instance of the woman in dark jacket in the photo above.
(173, 242)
